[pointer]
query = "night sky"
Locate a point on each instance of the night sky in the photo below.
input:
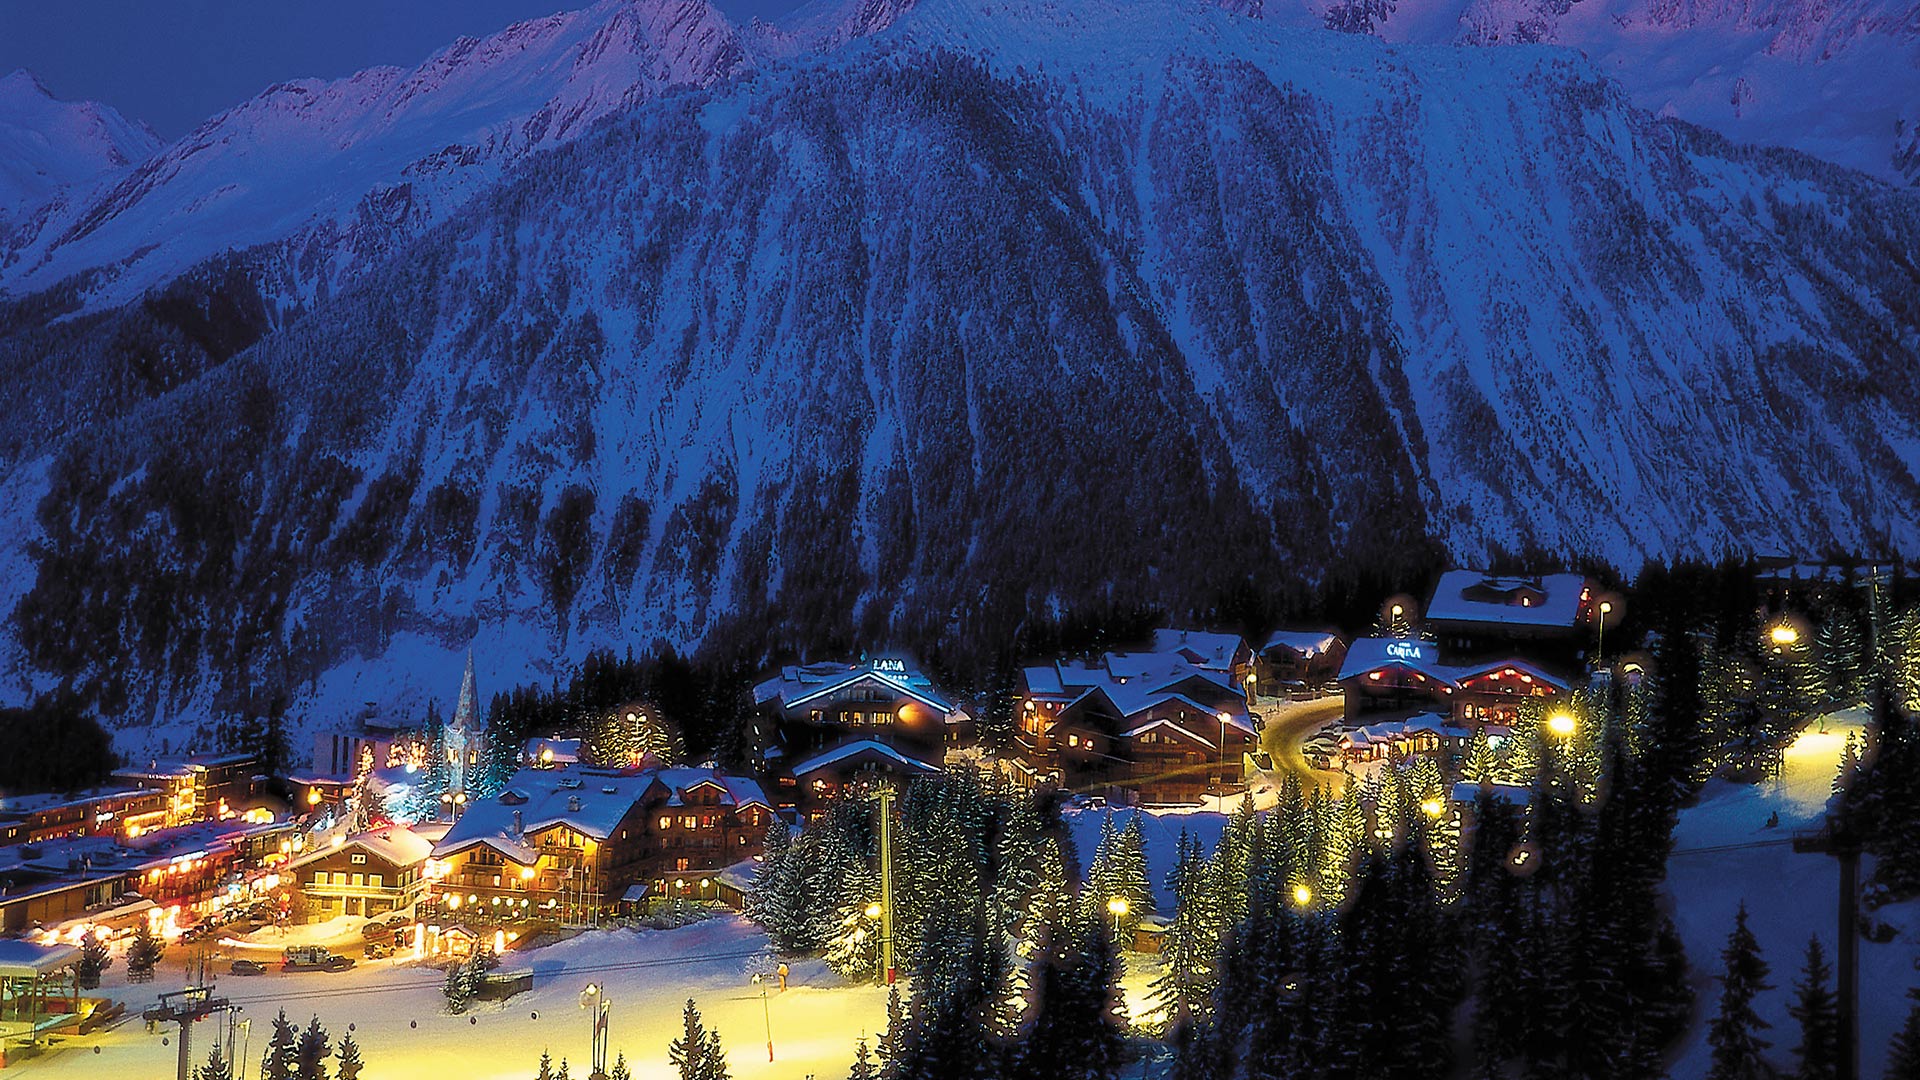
(173, 64)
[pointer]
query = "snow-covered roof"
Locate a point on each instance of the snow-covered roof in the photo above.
(20, 959)
(1372, 653)
(1512, 668)
(734, 790)
(798, 684)
(396, 845)
(1468, 596)
(1203, 648)
(589, 801)
(1134, 683)
(1303, 642)
(858, 747)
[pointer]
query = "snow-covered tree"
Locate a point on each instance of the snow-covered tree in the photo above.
(1903, 1053)
(696, 1054)
(620, 1071)
(864, 1067)
(1817, 1011)
(1734, 1032)
(459, 987)
(216, 1067)
(311, 1052)
(348, 1058)
(92, 962)
(1191, 944)
(144, 953)
(1842, 648)
(281, 1057)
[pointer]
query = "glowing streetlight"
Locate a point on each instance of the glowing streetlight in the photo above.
(1302, 896)
(873, 910)
(1431, 807)
(1784, 635)
(1561, 724)
(1118, 907)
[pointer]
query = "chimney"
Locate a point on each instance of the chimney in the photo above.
(573, 804)
(516, 823)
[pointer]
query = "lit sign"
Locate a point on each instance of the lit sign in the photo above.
(890, 667)
(1405, 650)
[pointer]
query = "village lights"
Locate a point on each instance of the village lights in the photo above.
(1561, 724)
(1118, 907)
(1431, 807)
(526, 873)
(873, 910)
(313, 796)
(1783, 635)
(1302, 896)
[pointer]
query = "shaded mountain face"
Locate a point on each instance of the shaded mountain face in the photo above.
(47, 145)
(1003, 309)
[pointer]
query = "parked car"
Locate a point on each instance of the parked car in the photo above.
(249, 967)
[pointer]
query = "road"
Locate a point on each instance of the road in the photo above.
(1288, 724)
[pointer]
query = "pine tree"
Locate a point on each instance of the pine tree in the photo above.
(348, 1054)
(697, 1053)
(1078, 1021)
(891, 1042)
(863, 1066)
(1735, 1032)
(620, 1069)
(282, 1054)
(1191, 944)
(459, 987)
(563, 1074)
(1903, 1053)
(1814, 1007)
(546, 1067)
(1843, 654)
(92, 962)
(310, 1053)
(216, 1067)
(143, 955)
(1130, 873)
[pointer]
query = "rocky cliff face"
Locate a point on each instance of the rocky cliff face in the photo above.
(1004, 308)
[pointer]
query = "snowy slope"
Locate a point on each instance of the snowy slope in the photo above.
(47, 145)
(1840, 80)
(338, 168)
(1007, 306)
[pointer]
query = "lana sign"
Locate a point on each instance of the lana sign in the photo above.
(1405, 650)
(892, 667)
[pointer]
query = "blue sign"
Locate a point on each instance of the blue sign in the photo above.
(890, 667)
(1405, 650)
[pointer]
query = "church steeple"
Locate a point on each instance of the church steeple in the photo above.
(466, 737)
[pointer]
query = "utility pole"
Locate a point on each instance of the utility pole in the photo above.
(886, 883)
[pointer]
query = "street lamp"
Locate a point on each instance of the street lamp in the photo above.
(1223, 756)
(766, 1011)
(1561, 724)
(1431, 807)
(1117, 907)
(596, 999)
(1606, 609)
(1784, 636)
(1302, 895)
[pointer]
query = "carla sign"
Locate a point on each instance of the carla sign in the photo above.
(1405, 650)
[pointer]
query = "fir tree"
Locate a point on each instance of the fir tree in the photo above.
(1814, 1006)
(143, 955)
(620, 1070)
(348, 1053)
(1903, 1053)
(546, 1067)
(1129, 873)
(1078, 1019)
(216, 1067)
(311, 1052)
(863, 1066)
(92, 962)
(459, 987)
(888, 1047)
(1734, 1032)
(563, 1074)
(1191, 944)
(697, 1053)
(282, 1054)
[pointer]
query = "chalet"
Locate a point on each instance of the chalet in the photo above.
(1548, 618)
(1157, 727)
(1388, 678)
(1298, 659)
(368, 874)
(845, 722)
(567, 843)
(1226, 654)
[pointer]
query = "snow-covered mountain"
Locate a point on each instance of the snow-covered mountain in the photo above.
(1836, 78)
(47, 144)
(994, 307)
(336, 172)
